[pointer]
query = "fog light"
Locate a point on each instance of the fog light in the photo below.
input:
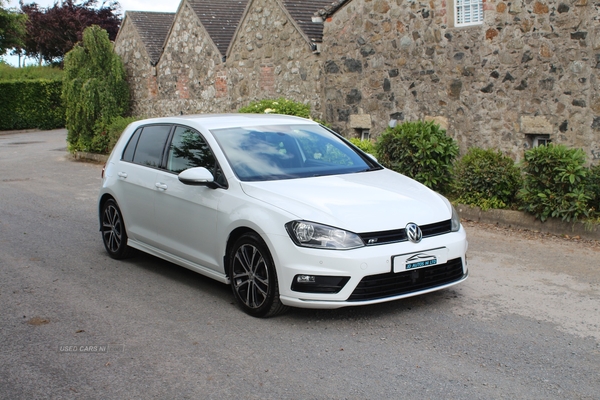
(305, 279)
(319, 284)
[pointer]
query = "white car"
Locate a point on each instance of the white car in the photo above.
(281, 208)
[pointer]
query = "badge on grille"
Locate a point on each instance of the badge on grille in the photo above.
(413, 232)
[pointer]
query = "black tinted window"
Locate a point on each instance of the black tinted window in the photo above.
(130, 149)
(150, 147)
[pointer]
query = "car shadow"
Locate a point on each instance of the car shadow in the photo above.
(179, 274)
(209, 286)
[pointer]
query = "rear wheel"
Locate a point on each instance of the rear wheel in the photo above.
(114, 234)
(253, 277)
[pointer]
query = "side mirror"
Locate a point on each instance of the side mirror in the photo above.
(198, 176)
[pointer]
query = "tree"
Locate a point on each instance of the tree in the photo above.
(95, 91)
(53, 31)
(12, 28)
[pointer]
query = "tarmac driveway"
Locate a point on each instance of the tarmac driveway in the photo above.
(77, 324)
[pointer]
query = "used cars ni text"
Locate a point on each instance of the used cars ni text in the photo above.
(284, 210)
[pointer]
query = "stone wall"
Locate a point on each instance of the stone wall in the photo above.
(190, 70)
(530, 69)
(141, 76)
(270, 58)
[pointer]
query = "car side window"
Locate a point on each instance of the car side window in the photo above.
(150, 146)
(130, 149)
(188, 149)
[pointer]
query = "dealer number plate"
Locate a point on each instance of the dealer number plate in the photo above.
(421, 259)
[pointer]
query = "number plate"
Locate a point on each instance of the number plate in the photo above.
(421, 259)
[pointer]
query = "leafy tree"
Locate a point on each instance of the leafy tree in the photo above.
(53, 31)
(12, 28)
(95, 91)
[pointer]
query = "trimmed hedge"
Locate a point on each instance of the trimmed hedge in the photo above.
(487, 179)
(31, 104)
(420, 150)
(556, 183)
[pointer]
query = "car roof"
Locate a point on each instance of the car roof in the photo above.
(221, 121)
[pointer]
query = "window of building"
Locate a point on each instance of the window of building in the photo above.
(537, 139)
(468, 12)
(365, 134)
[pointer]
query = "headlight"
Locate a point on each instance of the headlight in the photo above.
(455, 220)
(310, 234)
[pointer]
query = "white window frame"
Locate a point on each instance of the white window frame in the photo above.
(365, 134)
(542, 140)
(468, 12)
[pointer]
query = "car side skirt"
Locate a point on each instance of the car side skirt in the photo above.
(178, 260)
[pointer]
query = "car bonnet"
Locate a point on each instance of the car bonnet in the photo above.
(359, 202)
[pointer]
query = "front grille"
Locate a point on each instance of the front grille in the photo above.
(393, 284)
(399, 235)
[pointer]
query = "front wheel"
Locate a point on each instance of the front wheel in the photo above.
(253, 277)
(114, 235)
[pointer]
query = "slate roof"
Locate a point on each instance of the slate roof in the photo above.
(331, 8)
(220, 19)
(153, 28)
(302, 11)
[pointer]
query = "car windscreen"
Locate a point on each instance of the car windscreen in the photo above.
(261, 153)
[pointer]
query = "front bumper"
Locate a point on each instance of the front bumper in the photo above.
(370, 270)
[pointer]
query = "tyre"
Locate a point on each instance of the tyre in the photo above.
(113, 230)
(253, 277)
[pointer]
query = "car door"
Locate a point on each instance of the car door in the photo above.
(186, 216)
(137, 181)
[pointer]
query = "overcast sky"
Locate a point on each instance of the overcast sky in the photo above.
(126, 5)
(137, 5)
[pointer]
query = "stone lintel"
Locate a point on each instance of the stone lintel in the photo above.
(439, 120)
(538, 124)
(360, 121)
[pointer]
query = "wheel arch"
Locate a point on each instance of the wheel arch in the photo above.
(233, 237)
(103, 199)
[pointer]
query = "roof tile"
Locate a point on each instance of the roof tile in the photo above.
(153, 28)
(220, 19)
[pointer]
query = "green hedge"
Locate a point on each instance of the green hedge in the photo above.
(420, 150)
(486, 178)
(31, 104)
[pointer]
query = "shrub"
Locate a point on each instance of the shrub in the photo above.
(487, 179)
(9, 73)
(420, 150)
(593, 190)
(555, 183)
(277, 106)
(28, 104)
(116, 128)
(365, 145)
(94, 91)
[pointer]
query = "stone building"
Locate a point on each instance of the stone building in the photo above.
(140, 45)
(494, 73)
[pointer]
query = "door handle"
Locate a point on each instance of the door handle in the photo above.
(161, 186)
(122, 175)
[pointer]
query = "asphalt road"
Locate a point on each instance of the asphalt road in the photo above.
(76, 324)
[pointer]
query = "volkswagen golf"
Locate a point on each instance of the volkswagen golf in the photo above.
(281, 208)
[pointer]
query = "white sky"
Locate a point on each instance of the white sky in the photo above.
(126, 5)
(136, 5)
